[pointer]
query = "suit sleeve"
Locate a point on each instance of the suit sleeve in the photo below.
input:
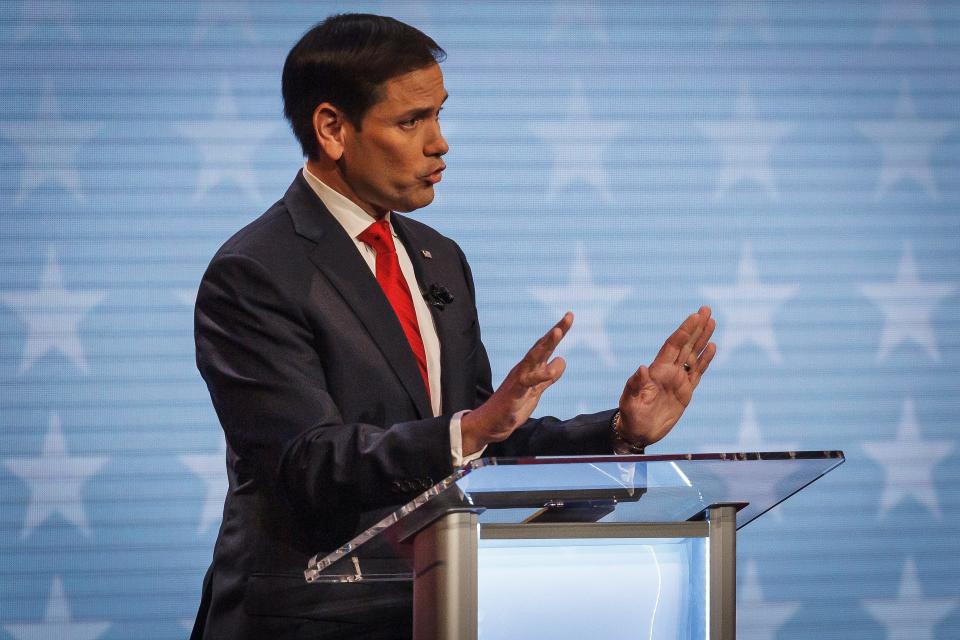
(256, 353)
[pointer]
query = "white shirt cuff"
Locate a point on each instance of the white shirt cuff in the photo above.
(456, 442)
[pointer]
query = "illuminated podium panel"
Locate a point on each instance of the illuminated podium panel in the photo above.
(576, 547)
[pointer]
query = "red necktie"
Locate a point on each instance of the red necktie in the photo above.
(394, 285)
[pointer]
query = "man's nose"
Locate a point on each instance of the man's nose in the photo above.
(437, 144)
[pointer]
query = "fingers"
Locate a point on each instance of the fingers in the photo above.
(543, 376)
(637, 381)
(705, 336)
(703, 330)
(534, 369)
(543, 348)
(706, 357)
(694, 371)
(698, 335)
(689, 347)
(693, 330)
(709, 324)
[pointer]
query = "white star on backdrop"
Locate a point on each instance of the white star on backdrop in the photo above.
(575, 19)
(750, 438)
(747, 308)
(738, 14)
(910, 616)
(221, 15)
(906, 144)
(758, 619)
(59, 13)
(212, 470)
(57, 622)
(56, 480)
(50, 146)
(578, 148)
(907, 305)
(52, 315)
(227, 144)
(591, 303)
(746, 142)
(904, 14)
(908, 462)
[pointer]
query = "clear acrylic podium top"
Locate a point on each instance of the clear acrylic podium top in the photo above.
(598, 489)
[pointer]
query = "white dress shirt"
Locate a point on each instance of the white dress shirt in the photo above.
(355, 221)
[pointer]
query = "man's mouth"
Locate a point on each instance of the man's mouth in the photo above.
(435, 177)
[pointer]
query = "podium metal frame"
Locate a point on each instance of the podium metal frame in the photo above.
(446, 572)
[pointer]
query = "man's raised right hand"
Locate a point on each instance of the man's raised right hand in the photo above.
(517, 396)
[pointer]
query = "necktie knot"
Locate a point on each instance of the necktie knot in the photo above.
(378, 236)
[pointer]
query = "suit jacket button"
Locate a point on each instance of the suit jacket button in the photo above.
(395, 485)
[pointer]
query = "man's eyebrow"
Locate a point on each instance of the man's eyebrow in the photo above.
(423, 111)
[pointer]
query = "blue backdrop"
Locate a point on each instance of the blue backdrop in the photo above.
(794, 165)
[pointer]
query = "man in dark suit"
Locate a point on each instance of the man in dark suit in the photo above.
(340, 344)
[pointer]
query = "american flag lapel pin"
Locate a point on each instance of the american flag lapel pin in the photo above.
(426, 254)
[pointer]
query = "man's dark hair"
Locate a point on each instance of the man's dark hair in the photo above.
(345, 60)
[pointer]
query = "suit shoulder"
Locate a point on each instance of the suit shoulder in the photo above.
(260, 237)
(268, 245)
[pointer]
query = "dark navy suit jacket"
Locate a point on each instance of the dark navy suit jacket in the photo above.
(327, 421)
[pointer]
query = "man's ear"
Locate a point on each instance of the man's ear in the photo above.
(329, 127)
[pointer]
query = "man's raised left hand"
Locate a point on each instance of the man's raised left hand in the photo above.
(655, 397)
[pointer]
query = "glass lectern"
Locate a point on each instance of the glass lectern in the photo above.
(576, 547)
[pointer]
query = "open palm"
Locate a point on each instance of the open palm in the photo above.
(655, 397)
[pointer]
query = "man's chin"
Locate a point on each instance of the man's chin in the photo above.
(416, 201)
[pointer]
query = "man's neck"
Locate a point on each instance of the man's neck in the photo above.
(329, 173)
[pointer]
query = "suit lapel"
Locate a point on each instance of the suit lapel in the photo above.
(336, 256)
(428, 273)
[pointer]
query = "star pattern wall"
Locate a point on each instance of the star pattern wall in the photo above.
(56, 480)
(52, 315)
(227, 144)
(758, 618)
(908, 304)
(578, 153)
(911, 615)
(908, 463)
(58, 622)
(746, 142)
(793, 167)
(907, 144)
(746, 309)
(38, 16)
(52, 147)
(592, 304)
(211, 469)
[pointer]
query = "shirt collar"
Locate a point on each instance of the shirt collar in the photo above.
(351, 217)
